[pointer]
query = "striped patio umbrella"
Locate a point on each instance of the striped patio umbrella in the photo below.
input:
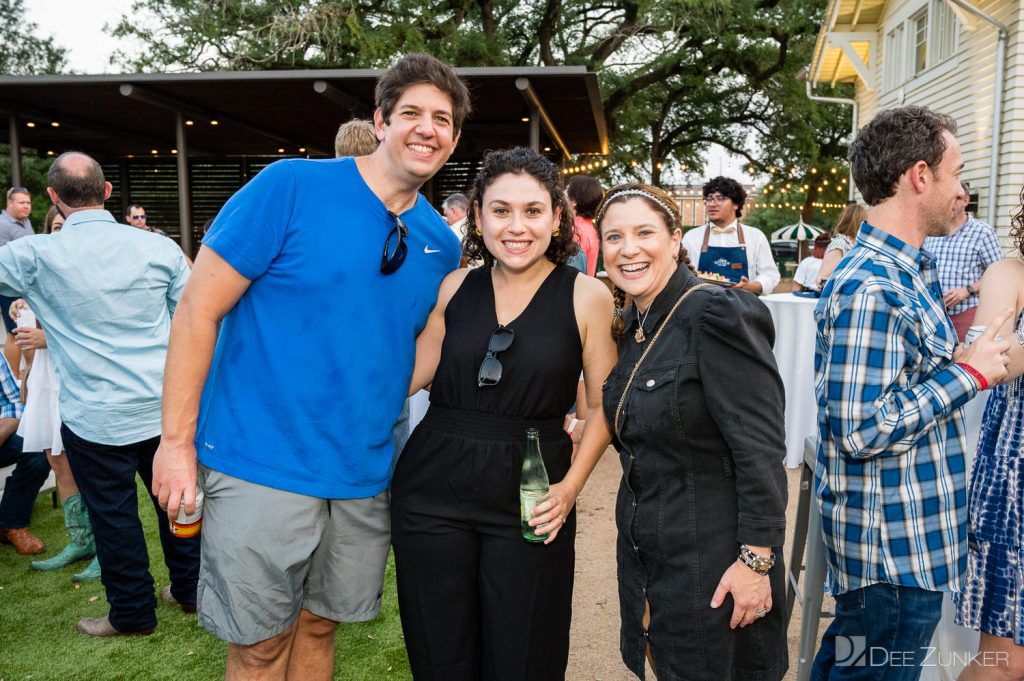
(800, 231)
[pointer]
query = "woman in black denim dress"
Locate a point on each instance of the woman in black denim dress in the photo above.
(699, 431)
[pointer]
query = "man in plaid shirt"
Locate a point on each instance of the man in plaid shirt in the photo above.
(962, 257)
(891, 382)
(30, 472)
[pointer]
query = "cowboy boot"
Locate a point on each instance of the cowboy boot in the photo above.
(91, 572)
(81, 546)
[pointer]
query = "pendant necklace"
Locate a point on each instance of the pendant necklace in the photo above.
(639, 335)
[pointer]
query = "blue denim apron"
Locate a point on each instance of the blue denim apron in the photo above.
(728, 261)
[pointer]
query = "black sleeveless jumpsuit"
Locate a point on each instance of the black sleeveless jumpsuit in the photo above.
(478, 602)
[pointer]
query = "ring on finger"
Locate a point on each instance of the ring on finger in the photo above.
(761, 613)
(562, 518)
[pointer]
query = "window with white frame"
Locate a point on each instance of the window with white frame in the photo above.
(923, 38)
(944, 29)
(894, 58)
(919, 36)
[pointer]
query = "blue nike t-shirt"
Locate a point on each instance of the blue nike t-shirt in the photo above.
(313, 364)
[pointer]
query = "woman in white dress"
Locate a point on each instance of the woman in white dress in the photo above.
(40, 430)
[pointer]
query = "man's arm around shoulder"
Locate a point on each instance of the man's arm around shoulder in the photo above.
(870, 409)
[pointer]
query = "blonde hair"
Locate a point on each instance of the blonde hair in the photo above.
(355, 138)
(849, 222)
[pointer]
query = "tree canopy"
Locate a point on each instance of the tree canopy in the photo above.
(676, 75)
(22, 52)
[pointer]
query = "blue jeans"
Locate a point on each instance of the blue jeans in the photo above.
(105, 475)
(880, 633)
(401, 433)
(22, 486)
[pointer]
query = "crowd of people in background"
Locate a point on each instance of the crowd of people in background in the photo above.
(132, 360)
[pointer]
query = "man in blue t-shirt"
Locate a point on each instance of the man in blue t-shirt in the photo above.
(320, 275)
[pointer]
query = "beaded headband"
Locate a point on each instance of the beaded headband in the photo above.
(634, 192)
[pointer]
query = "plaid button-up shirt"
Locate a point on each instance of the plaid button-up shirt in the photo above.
(963, 256)
(10, 395)
(890, 476)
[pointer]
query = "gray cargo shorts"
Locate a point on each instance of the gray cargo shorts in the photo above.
(267, 553)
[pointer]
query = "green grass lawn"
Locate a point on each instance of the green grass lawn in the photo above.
(38, 612)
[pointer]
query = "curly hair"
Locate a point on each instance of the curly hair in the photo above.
(891, 143)
(660, 202)
(1017, 227)
(520, 161)
(729, 188)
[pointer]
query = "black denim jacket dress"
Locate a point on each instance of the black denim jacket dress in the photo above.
(701, 443)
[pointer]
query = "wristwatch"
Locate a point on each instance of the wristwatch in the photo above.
(755, 561)
(970, 289)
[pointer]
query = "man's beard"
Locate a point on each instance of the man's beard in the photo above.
(939, 222)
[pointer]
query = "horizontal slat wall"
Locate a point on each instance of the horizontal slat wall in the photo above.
(213, 183)
(454, 177)
(153, 182)
(113, 174)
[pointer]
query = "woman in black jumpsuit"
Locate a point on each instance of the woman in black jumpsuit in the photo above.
(700, 437)
(478, 602)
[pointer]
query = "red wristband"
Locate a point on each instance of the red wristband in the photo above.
(975, 373)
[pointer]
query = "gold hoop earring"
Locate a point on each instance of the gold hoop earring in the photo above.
(556, 232)
(479, 232)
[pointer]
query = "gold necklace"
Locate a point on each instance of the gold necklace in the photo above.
(639, 336)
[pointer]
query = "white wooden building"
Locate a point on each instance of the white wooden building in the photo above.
(960, 57)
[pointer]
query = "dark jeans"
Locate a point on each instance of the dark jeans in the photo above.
(105, 475)
(5, 306)
(881, 633)
(22, 486)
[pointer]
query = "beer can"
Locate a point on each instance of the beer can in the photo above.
(188, 524)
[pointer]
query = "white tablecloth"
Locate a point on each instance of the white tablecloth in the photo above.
(954, 644)
(794, 353)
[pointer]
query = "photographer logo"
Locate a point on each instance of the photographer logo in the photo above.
(851, 651)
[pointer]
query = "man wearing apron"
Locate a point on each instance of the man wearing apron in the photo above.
(725, 247)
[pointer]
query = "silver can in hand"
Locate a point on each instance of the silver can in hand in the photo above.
(188, 524)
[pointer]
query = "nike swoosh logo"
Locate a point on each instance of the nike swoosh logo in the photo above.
(428, 249)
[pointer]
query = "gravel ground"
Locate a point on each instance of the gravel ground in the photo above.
(594, 654)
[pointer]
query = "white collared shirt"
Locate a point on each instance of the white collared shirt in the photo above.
(760, 263)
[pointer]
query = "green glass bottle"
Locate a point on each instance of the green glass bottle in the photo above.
(533, 485)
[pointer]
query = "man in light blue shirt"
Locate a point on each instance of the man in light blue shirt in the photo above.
(105, 293)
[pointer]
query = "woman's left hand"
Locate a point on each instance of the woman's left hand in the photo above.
(750, 591)
(549, 516)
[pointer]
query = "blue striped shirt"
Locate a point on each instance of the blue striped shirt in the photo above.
(10, 395)
(890, 475)
(963, 256)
